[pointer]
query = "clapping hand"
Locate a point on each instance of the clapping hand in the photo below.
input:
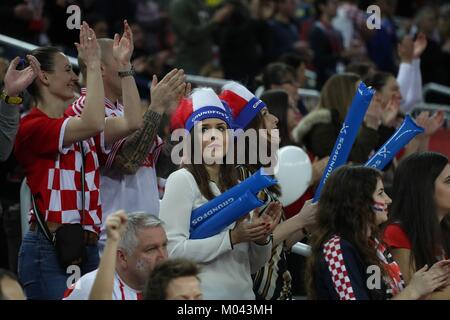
(17, 81)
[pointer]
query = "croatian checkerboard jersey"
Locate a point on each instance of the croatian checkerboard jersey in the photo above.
(341, 274)
(54, 171)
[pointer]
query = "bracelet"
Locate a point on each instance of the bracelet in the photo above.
(128, 73)
(10, 100)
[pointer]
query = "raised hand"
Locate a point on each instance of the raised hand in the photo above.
(88, 48)
(115, 225)
(430, 124)
(123, 46)
(391, 111)
(17, 81)
(420, 45)
(373, 116)
(167, 93)
(405, 49)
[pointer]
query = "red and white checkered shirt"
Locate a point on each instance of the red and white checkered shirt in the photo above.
(336, 265)
(114, 110)
(54, 172)
(130, 192)
(106, 157)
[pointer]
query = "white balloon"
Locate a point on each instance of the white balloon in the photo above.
(293, 172)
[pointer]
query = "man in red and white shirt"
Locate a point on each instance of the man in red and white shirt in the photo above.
(128, 175)
(142, 246)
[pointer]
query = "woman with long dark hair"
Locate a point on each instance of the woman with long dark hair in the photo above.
(282, 107)
(285, 111)
(348, 261)
(418, 232)
(230, 257)
(273, 281)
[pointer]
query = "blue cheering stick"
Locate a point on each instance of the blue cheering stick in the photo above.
(407, 131)
(348, 133)
(237, 209)
(254, 184)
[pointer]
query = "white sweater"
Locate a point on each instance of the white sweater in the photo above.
(409, 79)
(225, 271)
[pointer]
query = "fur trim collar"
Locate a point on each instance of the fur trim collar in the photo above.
(319, 116)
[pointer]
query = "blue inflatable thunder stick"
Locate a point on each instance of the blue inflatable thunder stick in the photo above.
(407, 131)
(254, 184)
(348, 133)
(218, 222)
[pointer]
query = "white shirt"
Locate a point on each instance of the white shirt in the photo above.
(344, 25)
(82, 288)
(409, 79)
(131, 192)
(225, 271)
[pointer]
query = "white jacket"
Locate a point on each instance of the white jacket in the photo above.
(225, 271)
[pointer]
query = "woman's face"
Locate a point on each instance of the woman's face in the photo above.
(390, 90)
(214, 136)
(62, 80)
(442, 192)
(270, 124)
(381, 202)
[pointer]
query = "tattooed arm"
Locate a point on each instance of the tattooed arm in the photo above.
(136, 147)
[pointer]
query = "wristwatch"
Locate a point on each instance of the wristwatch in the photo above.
(10, 100)
(128, 73)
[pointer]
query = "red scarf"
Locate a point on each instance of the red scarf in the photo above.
(393, 278)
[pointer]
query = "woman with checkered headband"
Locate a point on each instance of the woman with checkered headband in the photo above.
(59, 156)
(348, 262)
